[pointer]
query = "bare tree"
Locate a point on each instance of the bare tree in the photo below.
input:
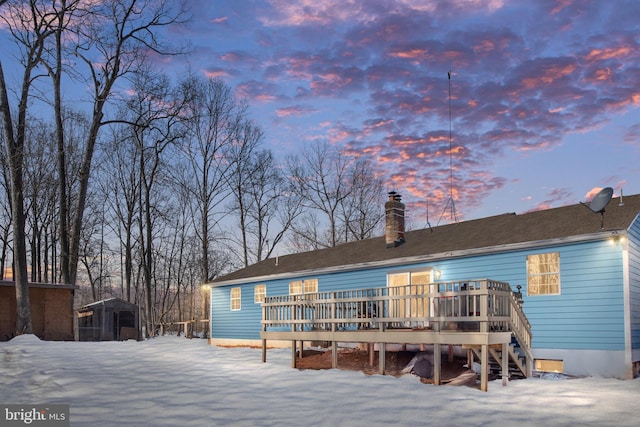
(212, 118)
(113, 38)
(95, 254)
(52, 60)
(264, 207)
(177, 253)
(241, 156)
(320, 179)
(362, 211)
(39, 199)
(30, 28)
(5, 209)
(341, 195)
(119, 177)
(154, 118)
(274, 208)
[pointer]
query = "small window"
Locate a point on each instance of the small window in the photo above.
(295, 288)
(543, 274)
(259, 292)
(549, 365)
(309, 286)
(236, 299)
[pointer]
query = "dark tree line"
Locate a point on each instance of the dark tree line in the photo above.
(157, 186)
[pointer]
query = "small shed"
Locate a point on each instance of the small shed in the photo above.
(111, 319)
(51, 310)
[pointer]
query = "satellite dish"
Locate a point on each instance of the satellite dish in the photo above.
(601, 200)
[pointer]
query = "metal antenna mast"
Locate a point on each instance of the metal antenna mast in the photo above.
(454, 217)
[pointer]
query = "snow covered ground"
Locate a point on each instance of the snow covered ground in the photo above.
(173, 381)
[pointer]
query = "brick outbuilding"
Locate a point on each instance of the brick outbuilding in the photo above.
(51, 310)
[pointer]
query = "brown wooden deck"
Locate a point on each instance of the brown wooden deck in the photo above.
(484, 316)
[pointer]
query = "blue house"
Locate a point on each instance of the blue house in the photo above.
(575, 271)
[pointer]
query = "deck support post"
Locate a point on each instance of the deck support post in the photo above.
(381, 357)
(372, 351)
(301, 349)
(334, 354)
(264, 351)
(505, 364)
(294, 345)
(437, 363)
(484, 371)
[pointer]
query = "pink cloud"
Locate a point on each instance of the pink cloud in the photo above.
(609, 53)
(258, 91)
(220, 73)
(556, 197)
(560, 6)
(294, 110)
(220, 20)
(546, 74)
(525, 77)
(592, 193)
(632, 135)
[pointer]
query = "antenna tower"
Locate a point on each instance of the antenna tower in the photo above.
(454, 216)
(428, 223)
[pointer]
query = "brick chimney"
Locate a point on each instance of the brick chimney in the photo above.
(394, 215)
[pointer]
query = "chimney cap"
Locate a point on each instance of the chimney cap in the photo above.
(394, 196)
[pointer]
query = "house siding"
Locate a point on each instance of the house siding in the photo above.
(589, 312)
(243, 323)
(587, 315)
(633, 246)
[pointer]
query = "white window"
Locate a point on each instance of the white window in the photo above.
(236, 299)
(259, 292)
(308, 286)
(549, 365)
(409, 283)
(543, 274)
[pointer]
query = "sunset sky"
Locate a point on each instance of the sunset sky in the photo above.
(545, 94)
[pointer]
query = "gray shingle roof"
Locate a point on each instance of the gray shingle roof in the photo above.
(549, 224)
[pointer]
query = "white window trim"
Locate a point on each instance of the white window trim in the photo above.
(303, 288)
(257, 295)
(529, 294)
(237, 298)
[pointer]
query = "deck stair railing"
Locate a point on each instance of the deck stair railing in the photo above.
(482, 305)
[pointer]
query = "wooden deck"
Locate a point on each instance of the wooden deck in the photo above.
(483, 316)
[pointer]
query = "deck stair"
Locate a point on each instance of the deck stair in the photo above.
(519, 357)
(517, 364)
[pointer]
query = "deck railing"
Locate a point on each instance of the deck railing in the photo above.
(482, 305)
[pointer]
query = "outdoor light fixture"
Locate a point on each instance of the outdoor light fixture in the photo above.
(616, 238)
